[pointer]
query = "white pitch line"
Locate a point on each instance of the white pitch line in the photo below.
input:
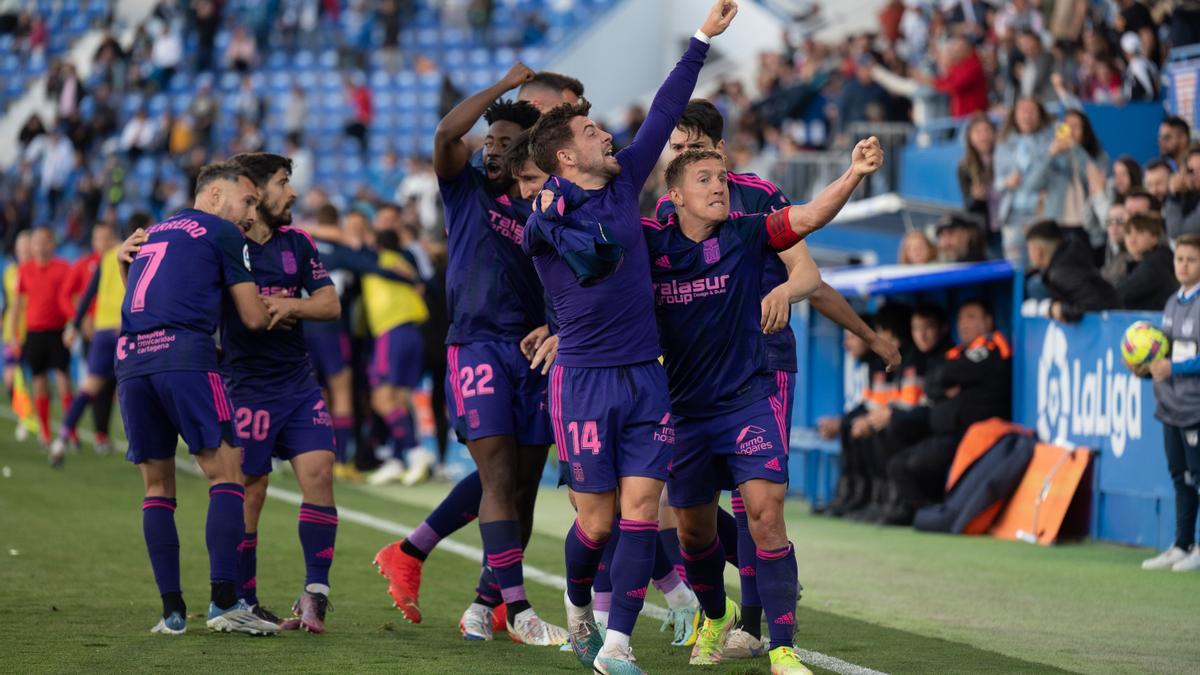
(472, 553)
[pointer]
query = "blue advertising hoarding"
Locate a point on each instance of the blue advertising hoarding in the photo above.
(1073, 389)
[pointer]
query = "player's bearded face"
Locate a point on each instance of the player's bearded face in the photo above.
(704, 191)
(239, 203)
(275, 209)
(594, 151)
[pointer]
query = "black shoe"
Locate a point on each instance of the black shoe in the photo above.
(899, 514)
(265, 614)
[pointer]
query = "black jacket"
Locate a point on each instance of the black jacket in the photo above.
(1075, 283)
(982, 373)
(1150, 282)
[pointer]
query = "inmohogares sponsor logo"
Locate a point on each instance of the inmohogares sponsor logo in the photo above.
(1078, 402)
(684, 292)
(751, 440)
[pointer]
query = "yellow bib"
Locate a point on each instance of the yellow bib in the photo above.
(10, 293)
(110, 294)
(391, 303)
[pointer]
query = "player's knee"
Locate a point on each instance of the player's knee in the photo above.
(767, 526)
(597, 526)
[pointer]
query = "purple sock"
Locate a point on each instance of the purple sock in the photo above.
(454, 512)
(502, 545)
(488, 591)
(662, 566)
(747, 560)
(162, 542)
(71, 419)
(668, 539)
(777, 582)
(459, 508)
(632, 563)
(583, 557)
(343, 431)
(248, 568)
(727, 532)
(403, 432)
(603, 581)
(318, 531)
(705, 570)
(223, 530)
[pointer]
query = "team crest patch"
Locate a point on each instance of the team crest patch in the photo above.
(289, 262)
(712, 251)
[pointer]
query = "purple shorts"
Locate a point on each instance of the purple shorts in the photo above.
(160, 407)
(399, 357)
(611, 422)
(787, 390)
(328, 347)
(282, 428)
(722, 452)
(102, 354)
(10, 357)
(490, 391)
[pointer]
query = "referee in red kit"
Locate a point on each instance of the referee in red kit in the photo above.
(39, 281)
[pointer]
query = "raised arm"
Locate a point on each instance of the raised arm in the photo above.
(669, 103)
(808, 218)
(450, 153)
(834, 307)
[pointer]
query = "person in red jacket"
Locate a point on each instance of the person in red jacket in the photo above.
(39, 281)
(962, 78)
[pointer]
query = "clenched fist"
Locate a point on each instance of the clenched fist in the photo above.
(867, 157)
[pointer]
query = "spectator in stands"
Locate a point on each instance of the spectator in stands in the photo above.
(1126, 175)
(420, 184)
(32, 128)
(203, 111)
(862, 98)
(247, 104)
(916, 249)
(1064, 266)
(242, 52)
(295, 113)
(1182, 209)
(70, 92)
(1141, 74)
(139, 135)
(206, 17)
(1151, 280)
(973, 384)
(975, 176)
(1184, 26)
(386, 175)
(961, 78)
(1037, 66)
(1177, 392)
(358, 98)
(104, 121)
(1075, 185)
(1140, 201)
(1158, 179)
(58, 161)
(303, 165)
(1020, 172)
(1135, 18)
(1017, 16)
(249, 139)
(1174, 136)
(166, 55)
(960, 238)
(1114, 259)
(355, 34)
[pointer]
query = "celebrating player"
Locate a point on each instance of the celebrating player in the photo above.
(179, 272)
(730, 425)
(280, 410)
(609, 402)
(787, 277)
(498, 404)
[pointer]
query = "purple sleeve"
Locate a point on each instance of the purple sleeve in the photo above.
(235, 259)
(639, 159)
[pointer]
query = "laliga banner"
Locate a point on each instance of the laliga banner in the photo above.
(1076, 391)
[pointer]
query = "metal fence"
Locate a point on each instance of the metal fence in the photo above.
(803, 176)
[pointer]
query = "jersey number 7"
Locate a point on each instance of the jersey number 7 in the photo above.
(155, 252)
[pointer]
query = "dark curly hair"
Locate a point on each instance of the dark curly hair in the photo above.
(520, 113)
